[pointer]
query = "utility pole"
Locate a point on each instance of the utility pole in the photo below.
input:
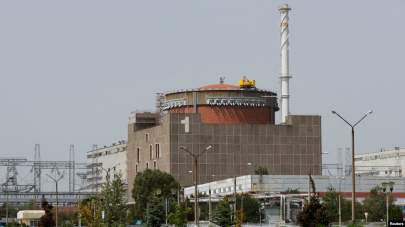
(195, 175)
(352, 126)
(7, 205)
(387, 186)
(56, 180)
(209, 201)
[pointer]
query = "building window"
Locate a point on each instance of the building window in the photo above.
(137, 155)
(150, 152)
(147, 165)
(136, 168)
(154, 165)
(157, 151)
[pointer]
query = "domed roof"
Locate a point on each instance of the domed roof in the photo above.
(220, 86)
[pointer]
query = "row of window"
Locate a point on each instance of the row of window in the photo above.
(222, 190)
(151, 156)
(147, 166)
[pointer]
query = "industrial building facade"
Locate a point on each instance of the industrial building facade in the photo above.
(390, 162)
(237, 122)
(108, 159)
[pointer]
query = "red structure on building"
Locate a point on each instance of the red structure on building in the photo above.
(225, 103)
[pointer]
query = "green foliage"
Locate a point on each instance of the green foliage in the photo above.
(222, 213)
(15, 224)
(331, 203)
(314, 214)
(250, 211)
(149, 183)
(395, 213)
(375, 205)
(90, 211)
(179, 216)
(155, 214)
(112, 201)
(261, 171)
(292, 191)
(47, 219)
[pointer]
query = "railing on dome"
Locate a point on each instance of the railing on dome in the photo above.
(237, 101)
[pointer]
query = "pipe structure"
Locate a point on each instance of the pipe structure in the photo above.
(285, 63)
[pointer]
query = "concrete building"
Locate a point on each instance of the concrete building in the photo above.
(237, 121)
(30, 217)
(111, 158)
(274, 184)
(271, 190)
(390, 162)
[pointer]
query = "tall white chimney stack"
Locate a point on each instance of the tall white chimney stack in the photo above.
(285, 63)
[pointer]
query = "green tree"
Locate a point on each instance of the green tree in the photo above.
(314, 213)
(261, 171)
(47, 219)
(222, 213)
(250, 211)
(112, 201)
(90, 211)
(375, 205)
(179, 216)
(146, 184)
(331, 203)
(155, 214)
(395, 213)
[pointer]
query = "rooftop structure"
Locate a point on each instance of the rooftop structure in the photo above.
(389, 162)
(225, 103)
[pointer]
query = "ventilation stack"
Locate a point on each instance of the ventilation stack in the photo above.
(285, 64)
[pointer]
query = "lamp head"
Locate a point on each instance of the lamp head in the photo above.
(208, 148)
(369, 112)
(334, 112)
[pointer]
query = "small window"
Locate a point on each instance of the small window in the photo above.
(147, 137)
(137, 155)
(150, 152)
(157, 151)
(136, 168)
(147, 165)
(154, 165)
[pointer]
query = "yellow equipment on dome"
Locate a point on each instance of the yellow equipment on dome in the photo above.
(246, 83)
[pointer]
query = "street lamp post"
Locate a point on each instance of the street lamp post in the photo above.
(56, 180)
(339, 197)
(195, 173)
(353, 165)
(387, 186)
(209, 201)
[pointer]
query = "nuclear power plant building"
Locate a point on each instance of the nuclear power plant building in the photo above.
(232, 126)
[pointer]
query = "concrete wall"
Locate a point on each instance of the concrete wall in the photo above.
(290, 149)
(146, 140)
